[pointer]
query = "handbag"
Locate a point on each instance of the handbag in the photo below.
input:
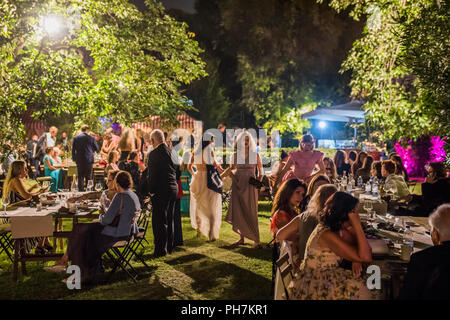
(255, 182)
(116, 219)
(180, 190)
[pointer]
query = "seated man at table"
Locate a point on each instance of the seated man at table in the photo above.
(388, 168)
(428, 274)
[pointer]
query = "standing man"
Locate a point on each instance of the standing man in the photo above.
(83, 148)
(64, 141)
(48, 139)
(32, 154)
(163, 188)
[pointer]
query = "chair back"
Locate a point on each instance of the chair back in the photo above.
(285, 268)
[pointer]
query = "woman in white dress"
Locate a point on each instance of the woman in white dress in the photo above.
(205, 204)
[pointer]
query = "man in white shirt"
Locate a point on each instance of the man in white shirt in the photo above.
(48, 139)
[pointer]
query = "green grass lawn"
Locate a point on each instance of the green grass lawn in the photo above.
(197, 270)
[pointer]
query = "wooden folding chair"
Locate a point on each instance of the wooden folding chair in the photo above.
(6, 244)
(285, 268)
(123, 251)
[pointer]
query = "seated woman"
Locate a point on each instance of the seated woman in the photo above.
(107, 197)
(50, 169)
(436, 188)
(296, 233)
(304, 224)
(400, 168)
(89, 241)
(388, 168)
(15, 188)
(108, 145)
(340, 160)
(286, 202)
(330, 169)
(134, 166)
(315, 183)
(285, 208)
(276, 171)
(435, 191)
(113, 157)
(364, 171)
(375, 171)
(339, 235)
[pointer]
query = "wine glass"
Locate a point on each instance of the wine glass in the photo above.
(368, 206)
(64, 199)
(46, 184)
(5, 202)
(98, 187)
(90, 184)
(372, 216)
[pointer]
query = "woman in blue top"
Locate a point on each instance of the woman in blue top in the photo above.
(50, 170)
(89, 241)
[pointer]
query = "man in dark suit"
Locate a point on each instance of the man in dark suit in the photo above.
(83, 148)
(162, 186)
(32, 155)
(428, 274)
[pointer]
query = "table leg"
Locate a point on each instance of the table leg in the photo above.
(55, 243)
(60, 228)
(24, 268)
(16, 260)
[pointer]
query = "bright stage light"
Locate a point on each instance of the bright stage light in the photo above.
(322, 124)
(52, 25)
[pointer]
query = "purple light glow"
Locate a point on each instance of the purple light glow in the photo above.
(420, 153)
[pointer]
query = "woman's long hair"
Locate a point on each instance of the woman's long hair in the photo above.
(306, 138)
(340, 158)
(367, 163)
(127, 139)
(358, 163)
(334, 174)
(111, 156)
(239, 143)
(317, 178)
(317, 202)
(283, 197)
(377, 166)
(336, 210)
(400, 170)
(14, 171)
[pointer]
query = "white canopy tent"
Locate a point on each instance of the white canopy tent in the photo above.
(348, 112)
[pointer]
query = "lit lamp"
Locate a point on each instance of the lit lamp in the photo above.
(52, 25)
(322, 125)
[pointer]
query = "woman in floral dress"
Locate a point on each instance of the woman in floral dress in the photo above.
(339, 235)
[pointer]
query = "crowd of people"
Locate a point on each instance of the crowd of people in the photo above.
(317, 224)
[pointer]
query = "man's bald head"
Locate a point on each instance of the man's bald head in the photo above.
(53, 130)
(440, 221)
(157, 137)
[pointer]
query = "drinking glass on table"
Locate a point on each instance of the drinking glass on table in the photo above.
(372, 216)
(90, 184)
(368, 206)
(98, 187)
(46, 184)
(5, 202)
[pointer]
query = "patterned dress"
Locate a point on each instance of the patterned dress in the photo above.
(321, 278)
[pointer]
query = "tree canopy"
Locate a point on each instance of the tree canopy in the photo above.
(401, 65)
(268, 57)
(92, 58)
